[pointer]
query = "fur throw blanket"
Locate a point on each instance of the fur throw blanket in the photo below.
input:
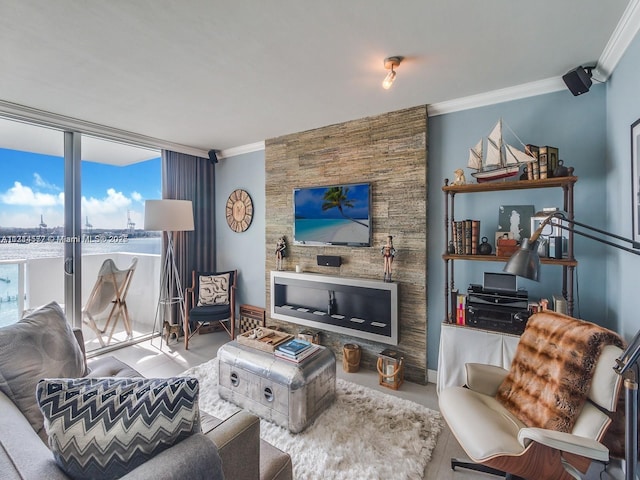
(550, 376)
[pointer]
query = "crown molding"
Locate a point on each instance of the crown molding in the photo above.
(242, 149)
(619, 41)
(622, 36)
(35, 116)
(525, 90)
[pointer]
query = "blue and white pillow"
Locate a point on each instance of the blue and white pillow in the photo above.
(103, 428)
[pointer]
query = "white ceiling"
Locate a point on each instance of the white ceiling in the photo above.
(222, 74)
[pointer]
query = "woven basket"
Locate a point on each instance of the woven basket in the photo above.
(351, 357)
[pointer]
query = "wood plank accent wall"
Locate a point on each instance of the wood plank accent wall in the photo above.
(390, 152)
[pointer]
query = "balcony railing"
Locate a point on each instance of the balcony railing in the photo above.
(41, 280)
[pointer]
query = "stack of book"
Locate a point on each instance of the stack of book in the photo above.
(544, 163)
(296, 350)
(464, 234)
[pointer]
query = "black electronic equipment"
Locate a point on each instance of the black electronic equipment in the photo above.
(500, 282)
(329, 260)
(505, 312)
(578, 80)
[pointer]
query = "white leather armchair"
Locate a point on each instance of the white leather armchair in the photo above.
(498, 442)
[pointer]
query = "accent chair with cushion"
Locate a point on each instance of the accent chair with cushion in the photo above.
(210, 299)
(42, 346)
(547, 417)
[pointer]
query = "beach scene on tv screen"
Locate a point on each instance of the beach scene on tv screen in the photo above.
(337, 214)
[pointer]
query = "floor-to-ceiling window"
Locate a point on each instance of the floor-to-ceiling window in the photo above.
(116, 180)
(63, 194)
(31, 218)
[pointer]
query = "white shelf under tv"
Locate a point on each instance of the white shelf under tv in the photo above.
(364, 308)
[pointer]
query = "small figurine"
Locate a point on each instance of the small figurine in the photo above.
(460, 180)
(388, 252)
(281, 248)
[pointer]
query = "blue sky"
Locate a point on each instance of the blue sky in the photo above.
(32, 185)
(308, 202)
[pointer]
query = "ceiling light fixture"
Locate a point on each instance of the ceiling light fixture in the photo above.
(389, 63)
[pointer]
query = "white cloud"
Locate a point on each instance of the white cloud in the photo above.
(40, 182)
(113, 202)
(24, 207)
(25, 196)
(109, 212)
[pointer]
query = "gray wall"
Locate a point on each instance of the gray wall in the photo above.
(576, 125)
(243, 251)
(623, 108)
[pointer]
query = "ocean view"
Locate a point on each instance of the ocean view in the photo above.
(23, 251)
(331, 230)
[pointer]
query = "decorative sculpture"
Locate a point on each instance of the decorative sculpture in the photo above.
(281, 248)
(459, 174)
(388, 252)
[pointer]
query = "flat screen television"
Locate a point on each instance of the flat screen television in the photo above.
(333, 215)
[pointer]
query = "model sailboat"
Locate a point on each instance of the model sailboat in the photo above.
(502, 160)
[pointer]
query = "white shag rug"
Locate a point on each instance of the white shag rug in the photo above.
(364, 434)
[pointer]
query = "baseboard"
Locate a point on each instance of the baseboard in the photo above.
(432, 376)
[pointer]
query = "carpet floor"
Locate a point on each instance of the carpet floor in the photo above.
(364, 434)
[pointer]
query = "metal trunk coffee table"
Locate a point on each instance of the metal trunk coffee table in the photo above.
(289, 394)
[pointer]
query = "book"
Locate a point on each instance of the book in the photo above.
(475, 236)
(454, 237)
(459, 237)
(453, 313)
(552, 160)
(467, 237)
(294, 346)
(461, 312)
(300, 356)
(560, 304)
(543, 161)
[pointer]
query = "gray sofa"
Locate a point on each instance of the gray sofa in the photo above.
(235, 441)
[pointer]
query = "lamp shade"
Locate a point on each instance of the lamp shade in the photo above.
(525, 262)
(168, 215)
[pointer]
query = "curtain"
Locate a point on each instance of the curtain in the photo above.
(186, 177)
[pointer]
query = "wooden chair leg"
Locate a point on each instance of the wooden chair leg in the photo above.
(186, 332)
(92, 325)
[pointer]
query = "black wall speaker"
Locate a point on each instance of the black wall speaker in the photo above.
(213, 157)
(329, 260)
(578, 80)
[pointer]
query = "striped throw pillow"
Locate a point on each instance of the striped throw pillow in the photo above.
(103, 428)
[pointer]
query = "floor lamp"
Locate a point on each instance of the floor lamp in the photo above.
(169, 216)
(525, 262)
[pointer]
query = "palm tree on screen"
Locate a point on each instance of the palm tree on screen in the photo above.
(338, 197)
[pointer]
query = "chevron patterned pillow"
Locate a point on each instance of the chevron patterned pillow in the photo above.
(102, 428)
